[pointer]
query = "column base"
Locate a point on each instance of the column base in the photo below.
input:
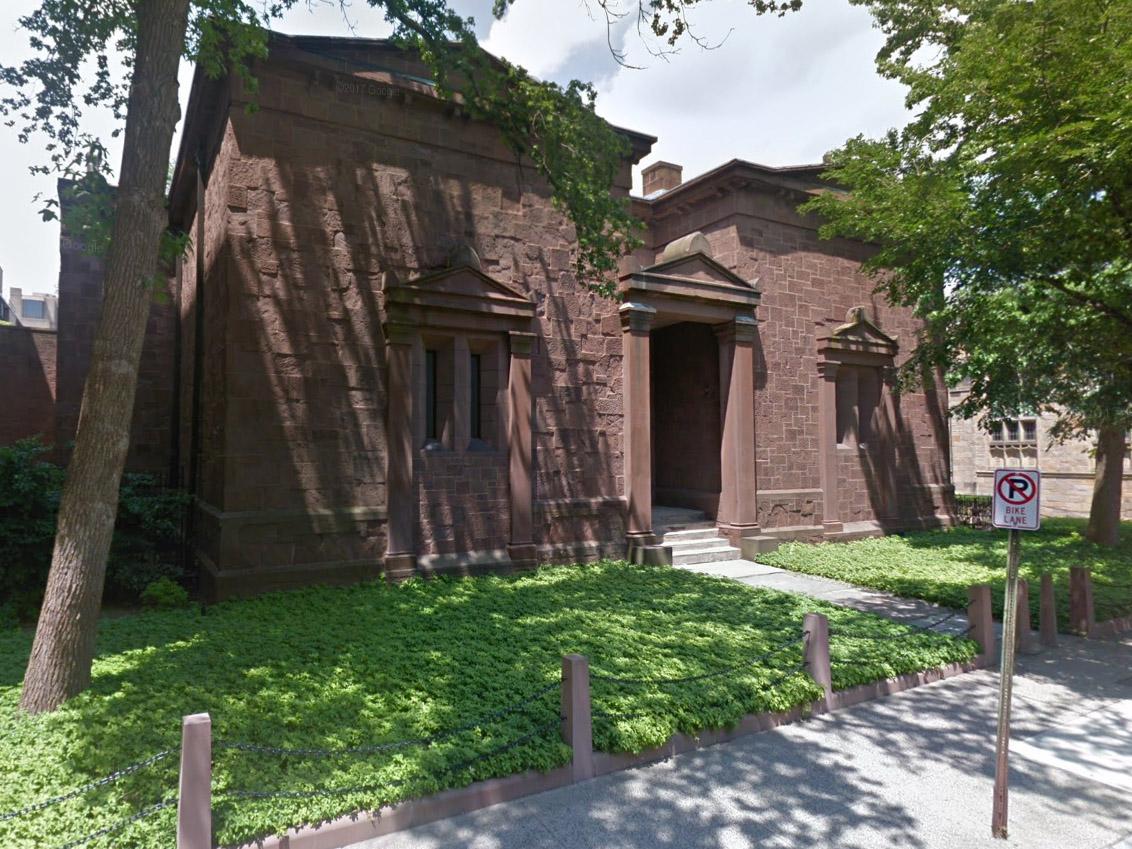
(524, 555)
(832, 528)
(398, 567)
(736, 533)
(649, 555)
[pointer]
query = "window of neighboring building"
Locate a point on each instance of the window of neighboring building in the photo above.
(34, 309)
(1014, 432)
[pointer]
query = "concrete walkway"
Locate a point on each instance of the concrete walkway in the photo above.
(835, 592)
(913, 770)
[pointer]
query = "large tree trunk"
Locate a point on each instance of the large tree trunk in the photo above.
(1104, 514)
(61, 655)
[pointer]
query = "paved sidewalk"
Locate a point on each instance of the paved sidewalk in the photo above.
(836, 592)
(913, 770)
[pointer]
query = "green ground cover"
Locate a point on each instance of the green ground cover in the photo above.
(938, 566)
(360, 666)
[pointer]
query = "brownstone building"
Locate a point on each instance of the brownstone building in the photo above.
(384, 361)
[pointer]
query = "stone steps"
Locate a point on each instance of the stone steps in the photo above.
(693, 537)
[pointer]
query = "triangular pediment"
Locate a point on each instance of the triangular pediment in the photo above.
(459, 296)
(464, 281)
(859, 332)
(699, 267)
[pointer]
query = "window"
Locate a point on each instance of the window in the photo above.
(475, 396)
(432, 429)
(1014, 432)
(858, 397)
(34, 309)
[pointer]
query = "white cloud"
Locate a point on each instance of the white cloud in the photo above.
(541, 35)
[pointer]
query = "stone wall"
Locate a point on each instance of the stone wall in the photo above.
(1067, 468)
(80, 304)
(808, 285)
(28, 374)
(327, 188)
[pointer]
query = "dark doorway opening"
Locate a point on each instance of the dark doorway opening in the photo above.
(686, 416)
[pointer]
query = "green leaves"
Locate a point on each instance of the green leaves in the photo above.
(1002, 211)
(938, 566)
(334, 668)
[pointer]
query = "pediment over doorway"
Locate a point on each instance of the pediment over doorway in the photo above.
(691, 278)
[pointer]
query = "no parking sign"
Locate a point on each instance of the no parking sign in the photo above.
(1017, 499)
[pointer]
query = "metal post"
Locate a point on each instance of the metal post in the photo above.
(1047, 613)
(577, 723)
(816, 627)
(194, 802)
(1006, 687)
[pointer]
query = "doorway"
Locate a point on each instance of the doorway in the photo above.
(686, 410)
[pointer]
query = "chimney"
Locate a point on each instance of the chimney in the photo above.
(661, 177)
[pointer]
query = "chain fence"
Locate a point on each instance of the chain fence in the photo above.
(916, 630)
(105, 781)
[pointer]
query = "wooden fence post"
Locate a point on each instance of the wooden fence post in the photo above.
(1023, 631)
(980, 616)
(577, 725)
(1047, 613)
(816, 626)
(194, 802)
(1082, 617)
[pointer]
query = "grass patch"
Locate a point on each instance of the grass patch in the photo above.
(333, 668)
(938, 566)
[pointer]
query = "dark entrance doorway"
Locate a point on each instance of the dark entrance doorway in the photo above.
(685, 406)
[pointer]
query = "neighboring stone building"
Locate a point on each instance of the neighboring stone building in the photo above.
(1024, 442)
(38, 311)
(384, 361)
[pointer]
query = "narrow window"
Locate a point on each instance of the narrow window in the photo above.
(475, 395)
(1011, 430)
(432, 431)
(1030, 430)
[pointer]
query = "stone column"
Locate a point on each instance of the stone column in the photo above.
(400, 548)
(738, 511)
(827, 448)
(636, 319)
(520, 450)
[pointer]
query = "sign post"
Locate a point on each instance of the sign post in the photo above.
(1016, 504)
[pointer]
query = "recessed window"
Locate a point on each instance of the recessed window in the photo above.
(432, 423)
(475, 395)
(858, 397)
(34, 309)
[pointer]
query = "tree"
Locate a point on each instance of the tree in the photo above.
(1003, 211)
(554, 126)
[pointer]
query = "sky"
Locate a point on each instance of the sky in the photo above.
(778, 91)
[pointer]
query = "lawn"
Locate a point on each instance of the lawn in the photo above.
(938, 566)
(362, 666)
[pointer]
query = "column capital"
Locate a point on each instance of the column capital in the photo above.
(400, 334)
(636, 317)
(828, 369)
(522, 343)
(741, 330)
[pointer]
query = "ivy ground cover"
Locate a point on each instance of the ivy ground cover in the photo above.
(938, 566)
(309, 673)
